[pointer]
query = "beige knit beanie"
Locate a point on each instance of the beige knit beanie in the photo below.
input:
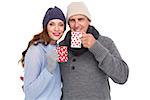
(77, 8)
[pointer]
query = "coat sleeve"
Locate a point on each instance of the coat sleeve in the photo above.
(110, 61)
(35, 79)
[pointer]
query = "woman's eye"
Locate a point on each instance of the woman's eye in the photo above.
(51, 24)
(61, 24)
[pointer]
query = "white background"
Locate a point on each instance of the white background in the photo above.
(127, 22)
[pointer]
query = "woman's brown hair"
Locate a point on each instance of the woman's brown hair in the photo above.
(42, 37)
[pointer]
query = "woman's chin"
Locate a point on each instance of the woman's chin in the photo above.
(56, 38)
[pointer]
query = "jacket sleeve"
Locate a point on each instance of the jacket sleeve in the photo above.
(110, 61)
(35, 79)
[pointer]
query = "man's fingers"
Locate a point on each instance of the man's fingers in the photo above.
(84, 34)
(83, 39)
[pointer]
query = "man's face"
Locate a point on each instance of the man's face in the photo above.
(78, 23)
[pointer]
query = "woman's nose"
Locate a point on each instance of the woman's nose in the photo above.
(56, 28)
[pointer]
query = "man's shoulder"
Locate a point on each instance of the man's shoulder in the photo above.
(62, 42)
(104, 39)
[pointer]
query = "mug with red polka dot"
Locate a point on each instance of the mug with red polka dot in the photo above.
(62, 53)
(76, 39)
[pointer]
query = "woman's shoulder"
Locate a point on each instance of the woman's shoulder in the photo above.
(39, 48)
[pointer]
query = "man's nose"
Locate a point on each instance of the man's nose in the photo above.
(77, 24)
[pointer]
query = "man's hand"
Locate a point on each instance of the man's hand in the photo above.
(87, 40)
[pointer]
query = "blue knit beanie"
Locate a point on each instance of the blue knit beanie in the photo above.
(54, 13)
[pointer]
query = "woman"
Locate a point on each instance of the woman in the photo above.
(42, 75)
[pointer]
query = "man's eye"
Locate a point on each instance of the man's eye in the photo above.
(71, 20)
(80, 19)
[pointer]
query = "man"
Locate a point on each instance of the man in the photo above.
(85, 75)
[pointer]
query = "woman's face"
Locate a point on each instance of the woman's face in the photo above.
(55, 29)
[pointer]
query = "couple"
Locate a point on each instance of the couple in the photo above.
(85, 75)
